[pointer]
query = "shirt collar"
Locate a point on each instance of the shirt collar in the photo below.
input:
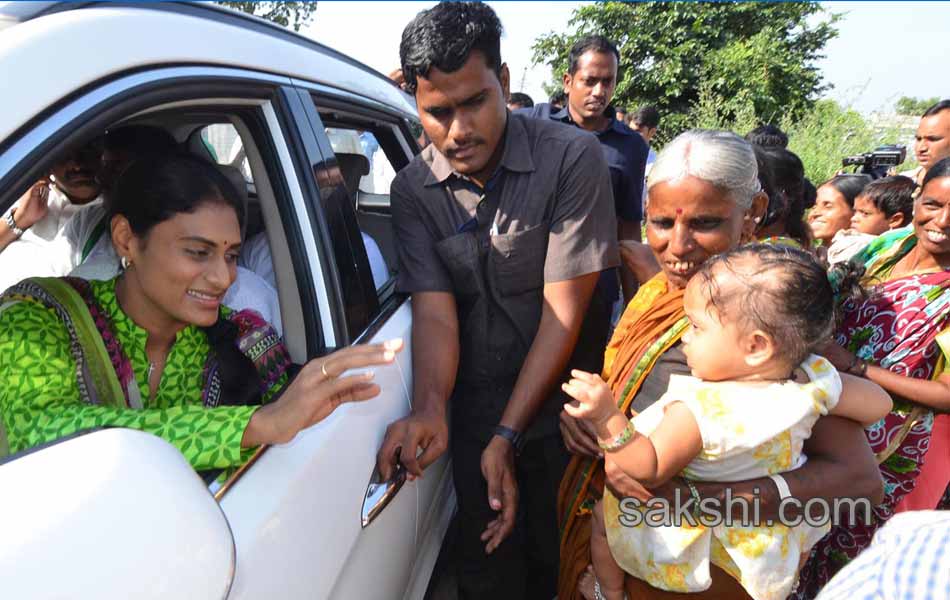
(516, 155)
(564, 116)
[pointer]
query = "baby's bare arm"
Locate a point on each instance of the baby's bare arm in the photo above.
(656, 459)
(862, 400)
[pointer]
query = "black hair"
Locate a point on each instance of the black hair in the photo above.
(558, 99)
(937, 108)
(647, 116)
(809, 193)
(778, 205)
(892, 195)
(782, 291)
(788, 178)
(520, 98)
(590, 43)
(140, 139)
(849, 186)
(444, 36)
(940, 169)
(152, 191)
(767, 135)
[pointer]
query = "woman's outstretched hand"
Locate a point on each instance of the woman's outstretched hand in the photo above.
(316, 392)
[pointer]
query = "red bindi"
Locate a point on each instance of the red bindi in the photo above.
(679, 211)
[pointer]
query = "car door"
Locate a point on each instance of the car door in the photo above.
(371, 144)
(295, 509)
(310, 539)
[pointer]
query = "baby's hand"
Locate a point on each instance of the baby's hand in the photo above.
(593, 400)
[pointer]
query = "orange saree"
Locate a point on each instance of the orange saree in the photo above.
(653, 321)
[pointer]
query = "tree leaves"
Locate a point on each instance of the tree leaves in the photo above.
(289, 14)
(744, 56)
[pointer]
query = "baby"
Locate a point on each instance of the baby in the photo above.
(756, 315)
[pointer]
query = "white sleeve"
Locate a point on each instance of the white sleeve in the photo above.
(251, 291)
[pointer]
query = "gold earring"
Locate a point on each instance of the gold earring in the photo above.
(125, 263)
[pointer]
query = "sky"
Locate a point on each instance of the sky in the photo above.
(884, 49)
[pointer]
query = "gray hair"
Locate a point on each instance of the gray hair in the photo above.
(721, 158)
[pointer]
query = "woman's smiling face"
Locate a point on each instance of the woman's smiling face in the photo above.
(688, 221)
(183, 266)
(932, 218)
(831, 214)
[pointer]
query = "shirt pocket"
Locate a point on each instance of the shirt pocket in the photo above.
(459, 254)
(518, 259)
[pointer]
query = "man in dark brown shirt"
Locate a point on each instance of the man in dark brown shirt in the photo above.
(503, 225)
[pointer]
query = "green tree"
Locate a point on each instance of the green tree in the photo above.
(289, 14)
(914, 107)
(741, 56)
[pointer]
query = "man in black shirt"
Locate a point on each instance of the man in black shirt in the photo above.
(503, 225)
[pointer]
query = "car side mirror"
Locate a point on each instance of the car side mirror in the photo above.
(113, 514)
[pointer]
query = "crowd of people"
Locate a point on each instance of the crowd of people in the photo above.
(598, 329)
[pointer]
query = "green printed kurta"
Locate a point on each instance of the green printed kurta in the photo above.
(40, 397)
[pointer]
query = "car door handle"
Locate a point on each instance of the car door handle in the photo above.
(380, 494)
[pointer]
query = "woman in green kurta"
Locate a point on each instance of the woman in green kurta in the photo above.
(154, 349)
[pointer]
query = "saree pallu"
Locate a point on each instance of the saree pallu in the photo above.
(652, 322)
(898, 327)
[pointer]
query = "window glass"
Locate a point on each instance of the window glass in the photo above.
(225, 146)
(353, 141)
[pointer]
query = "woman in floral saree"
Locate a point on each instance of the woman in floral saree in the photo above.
(154, 349)
(704, 198)
(899, 337)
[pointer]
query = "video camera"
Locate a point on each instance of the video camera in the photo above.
(876, 163)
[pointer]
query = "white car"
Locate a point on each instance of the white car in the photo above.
(117, 513)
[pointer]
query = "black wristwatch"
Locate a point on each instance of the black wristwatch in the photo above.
(515, 438)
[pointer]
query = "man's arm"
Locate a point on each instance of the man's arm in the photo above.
(30, 208)
(628, 230)
(422, 436)
(565, 303)
(562, 314)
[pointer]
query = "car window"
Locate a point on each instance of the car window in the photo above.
(368, 173)
(355, 141)
(225, 147)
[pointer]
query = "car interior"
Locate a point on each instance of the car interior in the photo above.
(223, 138)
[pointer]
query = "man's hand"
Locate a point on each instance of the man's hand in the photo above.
(425, 430)
(32, 205)
(639, 258)
(498, 468)
(579, 436)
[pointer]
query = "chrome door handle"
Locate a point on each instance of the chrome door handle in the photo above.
(380, 494)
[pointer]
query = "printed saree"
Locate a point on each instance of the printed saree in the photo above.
(70, 359)
(899, 327)
(652, 322)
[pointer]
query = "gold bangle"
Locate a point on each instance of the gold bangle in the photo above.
(620, 440)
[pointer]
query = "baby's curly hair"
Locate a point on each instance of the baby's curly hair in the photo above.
(782, 291)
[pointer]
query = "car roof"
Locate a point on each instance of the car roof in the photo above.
(49, 50)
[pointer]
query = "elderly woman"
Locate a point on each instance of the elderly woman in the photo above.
(704, 198)
(154, 349)
(899, 338)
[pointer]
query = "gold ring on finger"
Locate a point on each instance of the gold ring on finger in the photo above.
(323, 369)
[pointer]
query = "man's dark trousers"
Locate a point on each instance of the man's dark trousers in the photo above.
(525, 565)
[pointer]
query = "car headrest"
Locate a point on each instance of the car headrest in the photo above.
(353, 167)
(236, 178)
